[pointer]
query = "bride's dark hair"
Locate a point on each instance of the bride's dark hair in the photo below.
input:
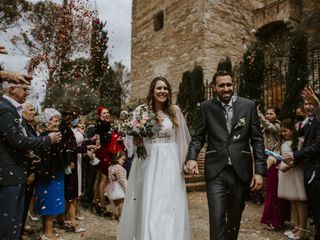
(167, 106)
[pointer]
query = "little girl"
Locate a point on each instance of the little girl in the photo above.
(291, 183)
(117, 185)
(276, 211)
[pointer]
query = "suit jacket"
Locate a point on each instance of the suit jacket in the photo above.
(245, 130)
(310, 152)
(14, 144)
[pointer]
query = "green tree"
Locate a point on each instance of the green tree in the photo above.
(252, 74)
(99, 57)
(103, 77)
(191, 94)
(297, 74)
(74, 92)
(184, 91)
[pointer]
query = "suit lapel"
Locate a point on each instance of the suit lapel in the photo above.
(308, 129)
(236, 112)
(9, 104)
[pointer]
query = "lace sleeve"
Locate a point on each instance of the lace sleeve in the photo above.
(182, 136)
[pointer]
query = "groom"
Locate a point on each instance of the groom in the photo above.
(235, 150)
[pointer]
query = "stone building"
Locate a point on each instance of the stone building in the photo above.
(171, 36)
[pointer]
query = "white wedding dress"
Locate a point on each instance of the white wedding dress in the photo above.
(155, 205)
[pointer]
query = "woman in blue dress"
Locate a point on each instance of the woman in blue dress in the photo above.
(49, 189)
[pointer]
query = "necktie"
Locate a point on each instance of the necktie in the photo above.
(228, 116)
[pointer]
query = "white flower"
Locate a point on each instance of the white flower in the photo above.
(241, 123)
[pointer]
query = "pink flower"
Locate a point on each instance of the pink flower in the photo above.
(134, 123)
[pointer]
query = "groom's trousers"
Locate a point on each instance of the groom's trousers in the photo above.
(226, 199)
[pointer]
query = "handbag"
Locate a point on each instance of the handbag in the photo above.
(114, 191)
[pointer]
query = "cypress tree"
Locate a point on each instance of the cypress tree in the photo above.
(297, 74)
(191, 94)
(184, 91)
(252, 74)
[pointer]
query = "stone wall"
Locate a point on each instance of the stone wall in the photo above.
(311, 22)
(170, 51)
(228, 30)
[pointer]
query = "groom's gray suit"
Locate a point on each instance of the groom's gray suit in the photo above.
(226, 183)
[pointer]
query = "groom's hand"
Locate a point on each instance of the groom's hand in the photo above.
(256, 182)
(191, 167)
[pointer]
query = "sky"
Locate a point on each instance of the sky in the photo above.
(117, 13)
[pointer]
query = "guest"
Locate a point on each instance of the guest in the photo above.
(102, 129)
(49, 189)
(291, 185)
(76, 146)
(91, 168)
(28, 114)
(13, 147)
(310, 155)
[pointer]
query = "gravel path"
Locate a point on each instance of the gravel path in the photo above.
(102, 228)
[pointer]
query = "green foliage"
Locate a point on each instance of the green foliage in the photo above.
(102, 77)
(252, 74)
(225, 65)
(184, 91)
(99, 59)
(132, 104)
(12, 8)
(191, 94)
(297, 74)
(75, 91)
(110, 92)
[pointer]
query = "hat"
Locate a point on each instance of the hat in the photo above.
(15, 78)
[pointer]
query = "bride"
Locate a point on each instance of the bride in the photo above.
(155, 205)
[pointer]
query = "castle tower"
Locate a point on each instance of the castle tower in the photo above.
(171, 36)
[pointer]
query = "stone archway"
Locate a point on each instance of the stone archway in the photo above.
(275, 37)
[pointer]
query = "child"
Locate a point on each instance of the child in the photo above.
(291, 185)
(276, 211)
(117, 184)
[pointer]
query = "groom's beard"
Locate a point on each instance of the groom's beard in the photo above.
(225, 97)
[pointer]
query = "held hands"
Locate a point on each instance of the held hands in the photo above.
(256, 182)
(55, 137)
(93, 148)
(288, 158)
(191, 167)
(96, 139)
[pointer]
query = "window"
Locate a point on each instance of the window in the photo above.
(158, 21)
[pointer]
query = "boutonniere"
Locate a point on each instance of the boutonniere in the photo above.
(18, 121)
(240, 123)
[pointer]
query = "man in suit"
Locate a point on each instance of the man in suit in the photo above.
(310, 154)
(234, 139)
(14, 144)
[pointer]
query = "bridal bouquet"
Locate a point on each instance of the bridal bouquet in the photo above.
(143, 123)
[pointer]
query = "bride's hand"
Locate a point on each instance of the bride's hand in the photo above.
(138, 141)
